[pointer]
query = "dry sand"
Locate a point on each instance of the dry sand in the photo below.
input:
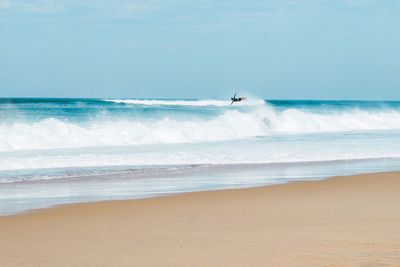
(341, 221)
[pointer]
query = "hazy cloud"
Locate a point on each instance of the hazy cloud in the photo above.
(359, 3)
(4, 3)
(42, 6)
(135, 8)
(119, 8)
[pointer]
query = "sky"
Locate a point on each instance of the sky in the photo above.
(272, 49)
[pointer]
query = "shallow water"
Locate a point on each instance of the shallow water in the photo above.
(55, 151)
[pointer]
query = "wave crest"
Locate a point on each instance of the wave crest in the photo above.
(195, 103)
(231, 124)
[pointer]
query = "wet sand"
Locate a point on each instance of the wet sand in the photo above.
(341, 221)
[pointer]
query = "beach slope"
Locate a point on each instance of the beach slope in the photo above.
(341, 221)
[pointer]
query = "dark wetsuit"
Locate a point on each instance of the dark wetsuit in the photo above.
(234, 99)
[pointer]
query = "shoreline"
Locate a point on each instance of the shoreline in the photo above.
(137, 185)
(337, 221)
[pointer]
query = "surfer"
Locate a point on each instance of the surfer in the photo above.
(234, 99)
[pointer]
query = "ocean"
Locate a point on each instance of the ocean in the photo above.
(59, 151)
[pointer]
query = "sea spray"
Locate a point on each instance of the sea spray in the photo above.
(188, 122)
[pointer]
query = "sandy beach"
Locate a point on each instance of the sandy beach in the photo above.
(340, 221)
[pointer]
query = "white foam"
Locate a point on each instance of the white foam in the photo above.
(199, 103)
(53, 133)
(231, 124)
(284, 150)
(300, 121)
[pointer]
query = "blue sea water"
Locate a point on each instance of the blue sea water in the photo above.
(55, 151)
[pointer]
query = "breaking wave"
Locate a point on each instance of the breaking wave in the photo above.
(195, 103)
(231, 124)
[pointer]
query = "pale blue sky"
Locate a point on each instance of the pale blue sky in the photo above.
(277, 49)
